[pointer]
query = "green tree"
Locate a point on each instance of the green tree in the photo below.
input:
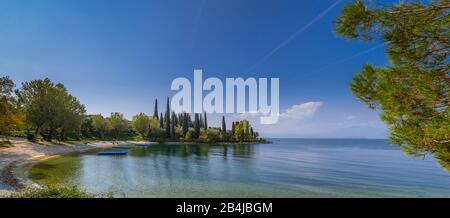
(412, 92)
(101, 125)
(224, 125)
(167, 120)
(87, 129)
(200, 120)
(233, 128)
(185, 126)
(161, 121)
(196, 126)
(180, 119)
(209, 135)
(155, 110)
(172, 125)
(36, 100)
(239, 131)
(246, 130)
(141, 123)
(205, 126)
(9, 114)
(188, 136)
(118, 124)
(58, 110)
(50, 107)
(155, 132)
(242, 131)
(223, 130)
(175, 119)
(70, 117)
(154, 123)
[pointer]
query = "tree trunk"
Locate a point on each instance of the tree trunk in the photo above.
(50, 134)
(62, 136)
(37, 132)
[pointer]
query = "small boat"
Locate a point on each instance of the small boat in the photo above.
(112, 153)
(121, 147)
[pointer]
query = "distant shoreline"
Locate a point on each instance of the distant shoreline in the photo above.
(334, 138)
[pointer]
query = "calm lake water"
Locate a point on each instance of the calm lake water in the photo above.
(286, 168)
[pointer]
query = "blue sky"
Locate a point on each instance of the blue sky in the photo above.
(121, 55)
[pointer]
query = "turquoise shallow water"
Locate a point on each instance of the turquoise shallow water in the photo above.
(286, 168)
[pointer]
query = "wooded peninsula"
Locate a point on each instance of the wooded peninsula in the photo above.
(43, 110)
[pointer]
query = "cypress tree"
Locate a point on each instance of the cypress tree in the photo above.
(233, 125)
(224, 127)
(200, 121)
(172, 126)
(223, 131)
(190, 123)
(206, 121)
(161, 121)
(175, 119)
(197, 126)
(155, 110)
(181, 119)
(167, 119)
(185, 124)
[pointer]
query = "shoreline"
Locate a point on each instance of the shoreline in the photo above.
(22, 152)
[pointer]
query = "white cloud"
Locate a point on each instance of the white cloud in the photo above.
(302, 120)
(350, 117)
(302, 111)
(292, 120)
(295, 112)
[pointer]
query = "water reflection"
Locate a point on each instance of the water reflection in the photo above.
(287, 168)
(200, 150)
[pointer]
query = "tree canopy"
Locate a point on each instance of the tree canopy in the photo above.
(41, 109)
(50, 109)
(101, 125)
(118, 124)
(412, 92)
(10, 118)
(141, 124)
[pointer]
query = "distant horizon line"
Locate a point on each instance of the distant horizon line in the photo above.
(324, 138)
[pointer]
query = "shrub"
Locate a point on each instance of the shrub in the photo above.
(209, 136)
(53, 192)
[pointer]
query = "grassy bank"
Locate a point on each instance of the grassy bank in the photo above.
(55, 192)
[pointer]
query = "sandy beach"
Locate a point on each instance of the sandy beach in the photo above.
(22, 151)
